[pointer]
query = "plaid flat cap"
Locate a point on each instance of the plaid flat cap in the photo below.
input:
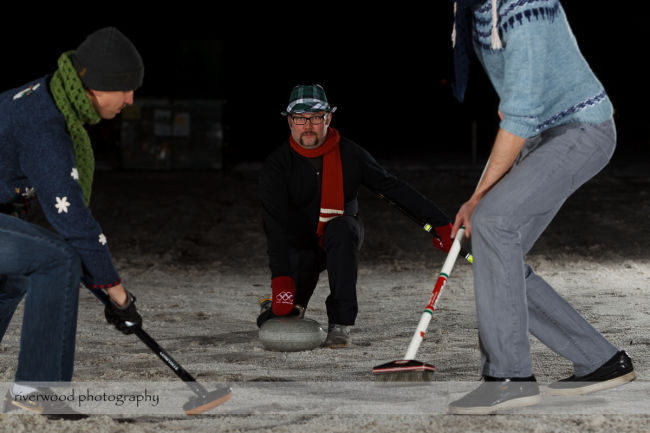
(308, 99)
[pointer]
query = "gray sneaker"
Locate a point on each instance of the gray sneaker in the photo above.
(43, 401)
(337, 336)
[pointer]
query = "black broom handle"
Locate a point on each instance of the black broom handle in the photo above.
(426, 226)
(159, 351)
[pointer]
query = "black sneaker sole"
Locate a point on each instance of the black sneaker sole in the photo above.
(590, 387)
(486, 410)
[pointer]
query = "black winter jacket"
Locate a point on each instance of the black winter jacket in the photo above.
(289, 189)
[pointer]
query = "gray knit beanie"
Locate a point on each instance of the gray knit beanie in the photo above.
(107, 60)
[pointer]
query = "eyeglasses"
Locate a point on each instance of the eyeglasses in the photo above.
(314, 120)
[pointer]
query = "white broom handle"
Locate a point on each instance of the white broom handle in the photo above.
(453, 253)
(421, 329)
(418, 337)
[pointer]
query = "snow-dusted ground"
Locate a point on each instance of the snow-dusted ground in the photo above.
(190, 246)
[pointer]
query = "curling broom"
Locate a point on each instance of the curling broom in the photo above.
(408, 369)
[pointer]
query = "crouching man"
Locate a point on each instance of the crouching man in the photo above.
(308, 190)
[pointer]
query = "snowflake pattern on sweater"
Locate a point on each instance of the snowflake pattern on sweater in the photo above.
(36, 159)
(62, 204)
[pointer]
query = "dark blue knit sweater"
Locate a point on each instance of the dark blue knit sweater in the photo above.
(37, 160)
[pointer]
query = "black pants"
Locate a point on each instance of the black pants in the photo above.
(342, 241)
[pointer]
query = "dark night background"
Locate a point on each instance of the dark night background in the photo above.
(391, 84)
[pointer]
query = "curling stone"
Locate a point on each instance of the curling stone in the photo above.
(291, 334)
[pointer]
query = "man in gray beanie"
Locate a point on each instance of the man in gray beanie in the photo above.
(108, 61)
(46, 153)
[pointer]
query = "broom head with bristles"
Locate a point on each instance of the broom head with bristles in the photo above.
(405, 370)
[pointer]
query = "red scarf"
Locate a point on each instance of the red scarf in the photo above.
(331, 199)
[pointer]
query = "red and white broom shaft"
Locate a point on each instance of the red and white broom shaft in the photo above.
(421, 329)
(440, 284)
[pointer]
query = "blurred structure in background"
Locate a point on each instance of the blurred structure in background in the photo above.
(161, 134)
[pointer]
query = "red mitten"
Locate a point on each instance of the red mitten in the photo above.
(442, 238)
(283, 290)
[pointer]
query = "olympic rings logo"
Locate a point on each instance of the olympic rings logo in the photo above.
(284, 298)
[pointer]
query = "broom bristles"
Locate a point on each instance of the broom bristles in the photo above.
(404, 371)
(405, 377)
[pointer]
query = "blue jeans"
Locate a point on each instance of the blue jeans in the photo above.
(40, 264)
(512, 300)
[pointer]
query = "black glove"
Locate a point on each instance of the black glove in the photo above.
(119, 316)
(264, 316)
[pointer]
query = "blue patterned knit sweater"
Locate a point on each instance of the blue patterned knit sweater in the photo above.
(540, 75)
(37, 160)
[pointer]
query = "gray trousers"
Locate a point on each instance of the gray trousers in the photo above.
(511, 299)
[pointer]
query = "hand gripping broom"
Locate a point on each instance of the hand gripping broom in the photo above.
(408, 369)
(425, 226)
(203, 399)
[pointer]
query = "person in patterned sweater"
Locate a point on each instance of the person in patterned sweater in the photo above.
(308, 190)
(45, 153)
(556, 133)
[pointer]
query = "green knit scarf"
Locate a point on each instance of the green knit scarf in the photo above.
(71, 99)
